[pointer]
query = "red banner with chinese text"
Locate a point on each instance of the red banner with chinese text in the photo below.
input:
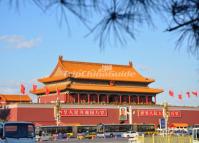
(83, 112)
(172, 114)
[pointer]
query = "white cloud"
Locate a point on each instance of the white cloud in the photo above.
(8, 90)
(9, 83)
(17, 41)
(9, 87)
(13, 87)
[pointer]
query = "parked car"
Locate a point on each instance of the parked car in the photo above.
(181, 132)
(86, 135)
(100, 135)
(44, 137)
(129, 134)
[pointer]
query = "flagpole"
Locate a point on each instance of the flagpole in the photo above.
(166, 115)
(22, 90)
(20, 95)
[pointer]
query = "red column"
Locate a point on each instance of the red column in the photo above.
(88, 98)
(68, 98)
(38, 99)
(129, 99)
(146, 99)
(120, 99)
(151, 99)
(98, 98)
(78, 98)
(72, 98)
(138, 98)
(64, 98)
(107, 98)
(155, 99)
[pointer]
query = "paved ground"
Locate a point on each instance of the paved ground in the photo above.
(147, 139)
(111, 140)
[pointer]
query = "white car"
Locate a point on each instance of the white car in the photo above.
(100, 135)
(44, 137)
(130, 134)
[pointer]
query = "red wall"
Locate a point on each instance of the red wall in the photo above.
(13, 114)
(112, 117)
(45, 116)
(187, 116)
(52, 98)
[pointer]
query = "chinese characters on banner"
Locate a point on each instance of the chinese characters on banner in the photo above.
(83, 112)
(172, 114)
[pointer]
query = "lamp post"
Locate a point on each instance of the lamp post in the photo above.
(57, 109)
(166, 115)
(130, 114)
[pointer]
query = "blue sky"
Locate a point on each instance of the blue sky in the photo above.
(31, 41)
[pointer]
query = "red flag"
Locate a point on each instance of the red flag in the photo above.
(22, 89)
(195, 93)
(34, 87)
(180, 96)
(171, 93)
(188, 94)
(47, 90)
(58, 91)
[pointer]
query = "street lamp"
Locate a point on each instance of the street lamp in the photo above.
(166, 115)
(130, 114)
(57, 109)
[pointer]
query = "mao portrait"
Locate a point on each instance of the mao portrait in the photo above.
(122, 113)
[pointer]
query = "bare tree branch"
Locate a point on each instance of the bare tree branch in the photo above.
(181, 25)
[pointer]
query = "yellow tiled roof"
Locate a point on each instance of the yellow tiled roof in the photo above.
(130, 89)
(14, 98)
(106, 88)
(50, 88)
(97, 71)
(179, 125)
(50, 79)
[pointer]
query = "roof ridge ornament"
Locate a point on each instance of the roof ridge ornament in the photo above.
(130, 63)
(60, 58)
